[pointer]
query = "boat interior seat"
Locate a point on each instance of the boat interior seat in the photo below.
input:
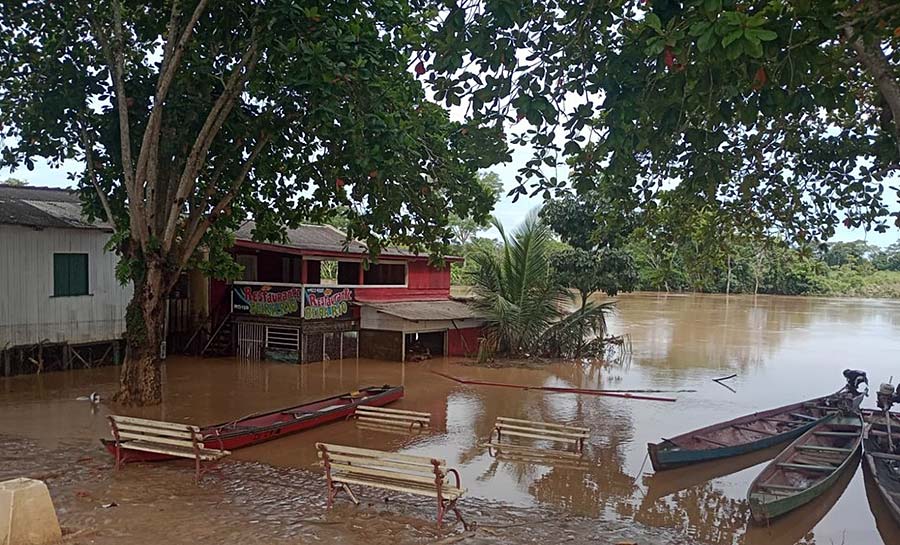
(297, 414)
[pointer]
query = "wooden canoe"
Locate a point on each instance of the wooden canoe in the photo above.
(882, 464)
(261, 427)
(808, 467)
(742, 435)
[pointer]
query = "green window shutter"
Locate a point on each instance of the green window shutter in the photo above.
(78, 274)
(70, 274)
(60, 275)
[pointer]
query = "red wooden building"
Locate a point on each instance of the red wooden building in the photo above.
(315, 297)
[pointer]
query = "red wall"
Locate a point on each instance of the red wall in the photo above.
(423, 283)
(463, 342)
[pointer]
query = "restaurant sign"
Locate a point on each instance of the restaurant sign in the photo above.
(273, 301)
(322, 303)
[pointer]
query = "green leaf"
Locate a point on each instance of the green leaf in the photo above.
(761, 34)
(707, 41)
(756, 20)
(731, 37)
(733, 18)
(572, 148)
(753, 48)
(699, 28)
(734, 50)
(712, 6)
(653, 21)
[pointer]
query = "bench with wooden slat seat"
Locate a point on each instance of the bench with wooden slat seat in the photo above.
(544, 431)
(419, 475)
(382, 416)
(170, 438)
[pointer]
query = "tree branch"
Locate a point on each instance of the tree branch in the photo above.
(88, 143)
(146, 166)
(192, 239)
(874, 61)
(214, 121)
(115, 59)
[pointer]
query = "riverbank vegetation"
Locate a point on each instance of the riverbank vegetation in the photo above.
(526, 305)
(704, 254)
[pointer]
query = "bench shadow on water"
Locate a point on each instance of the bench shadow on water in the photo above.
(783, 349)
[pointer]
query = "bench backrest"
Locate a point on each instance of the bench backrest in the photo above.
(541, 430)
(398, 417)
(376, 463)
(155, 431)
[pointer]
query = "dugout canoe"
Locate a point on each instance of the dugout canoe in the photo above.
(742, 435)
(261, 427)
(808, 467)
(881, 463)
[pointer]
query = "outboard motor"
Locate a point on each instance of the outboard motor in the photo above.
(886, 396)
(854, 379)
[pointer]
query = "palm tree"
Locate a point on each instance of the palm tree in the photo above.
(524, 303)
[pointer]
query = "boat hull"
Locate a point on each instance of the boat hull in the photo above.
(669, 454)
(887, 484)
(231, 436)
(765, 506)
(671, 459)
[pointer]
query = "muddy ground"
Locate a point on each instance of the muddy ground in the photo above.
(250, 503)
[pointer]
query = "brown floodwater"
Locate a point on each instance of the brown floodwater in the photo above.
(782, 349)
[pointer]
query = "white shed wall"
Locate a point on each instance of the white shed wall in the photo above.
(30, 314)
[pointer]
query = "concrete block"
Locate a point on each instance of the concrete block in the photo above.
(27, 516)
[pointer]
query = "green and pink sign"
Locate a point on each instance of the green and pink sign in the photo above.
(326, 303)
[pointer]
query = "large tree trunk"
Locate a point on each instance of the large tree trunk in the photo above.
(140, 379)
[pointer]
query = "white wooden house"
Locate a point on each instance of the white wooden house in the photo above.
(57, 281)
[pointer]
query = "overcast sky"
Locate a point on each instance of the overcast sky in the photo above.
(509, 213)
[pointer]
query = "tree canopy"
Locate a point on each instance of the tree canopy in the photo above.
(466, 227)
(787, 113)
(191, 116)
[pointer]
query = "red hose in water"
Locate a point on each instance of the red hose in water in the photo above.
(553, 389)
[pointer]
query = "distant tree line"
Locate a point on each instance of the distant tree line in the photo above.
(676, 250)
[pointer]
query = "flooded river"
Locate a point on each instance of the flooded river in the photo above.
(782, 350)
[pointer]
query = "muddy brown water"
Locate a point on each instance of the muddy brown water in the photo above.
(782, 350)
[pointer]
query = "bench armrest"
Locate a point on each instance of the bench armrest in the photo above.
(456, 475)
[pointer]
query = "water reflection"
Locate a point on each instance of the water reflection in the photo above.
(783, 349)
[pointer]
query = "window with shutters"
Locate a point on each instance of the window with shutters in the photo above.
(70, 275)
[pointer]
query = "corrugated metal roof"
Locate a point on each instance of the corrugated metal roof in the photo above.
(322, 238)
(418, 311)
(43, 207)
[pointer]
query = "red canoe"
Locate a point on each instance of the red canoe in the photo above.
(258, 428)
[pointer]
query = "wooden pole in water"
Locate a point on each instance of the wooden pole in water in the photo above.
(586, 391)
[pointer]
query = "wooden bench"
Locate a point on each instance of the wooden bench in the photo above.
(544, 431)
(391, 417)
(158, 437)
(345, 466)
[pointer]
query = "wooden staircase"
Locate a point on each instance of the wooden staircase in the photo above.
(221, 342)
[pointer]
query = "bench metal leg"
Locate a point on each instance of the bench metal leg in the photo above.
(449, 505)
